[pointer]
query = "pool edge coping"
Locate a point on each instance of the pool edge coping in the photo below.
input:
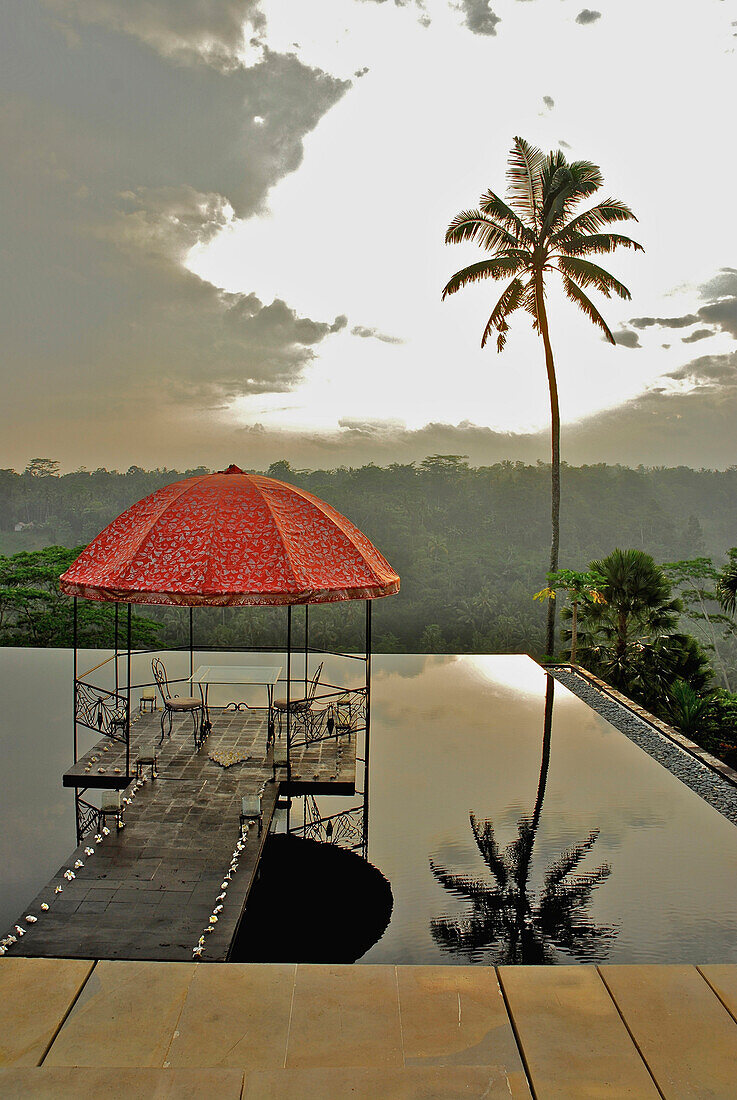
(674, 735)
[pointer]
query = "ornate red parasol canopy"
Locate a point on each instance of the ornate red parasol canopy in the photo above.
(230, 539)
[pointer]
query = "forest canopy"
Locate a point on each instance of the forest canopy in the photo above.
(470, 543)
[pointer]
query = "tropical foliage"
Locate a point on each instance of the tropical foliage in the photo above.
(33, 611)
(469, 543)
(579, 587)
(632, 640)
(535, 232)
(697, 583)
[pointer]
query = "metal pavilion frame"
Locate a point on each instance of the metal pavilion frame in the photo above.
(109, 714)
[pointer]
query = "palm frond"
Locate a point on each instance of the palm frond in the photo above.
(465, 885)
(529, 303)
(568, 861)
(564, 186)
(554, 163)
(588, 177)
(483, 833)
(525, 182)
(581, 244)
(499, 267)
(472, 225)
(727, 587)
(508, 302)
(587, 274)
(575, 294)
(494, 207)
(591, 221)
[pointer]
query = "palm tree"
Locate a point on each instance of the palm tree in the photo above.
(687, 708)
(505, 919)
(727, 584)
(579, 587)
(532, 234)
(633, 639)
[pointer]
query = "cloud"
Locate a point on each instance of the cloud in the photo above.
(187, 30)
(723, 284)
(626, 338)
(370, 428)
(372, 333)
(423, 19)
(723, 314)
(587, 16)
(720, 310)
(656, 429)
(478, 16)
(118, 164)
(698, 334)
(708, 371)
(664, 322)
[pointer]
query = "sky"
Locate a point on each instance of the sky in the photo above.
(223, 230)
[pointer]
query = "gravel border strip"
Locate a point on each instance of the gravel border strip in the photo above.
(710, 785)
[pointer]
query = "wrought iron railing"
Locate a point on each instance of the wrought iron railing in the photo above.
(88, 818)
(101, 710)
(346, 828)
(330, 715)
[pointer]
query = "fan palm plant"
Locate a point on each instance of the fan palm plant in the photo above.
(632, 639)
(535, 233)
(727, 584)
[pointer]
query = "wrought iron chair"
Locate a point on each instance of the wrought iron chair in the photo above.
(346, 713)
(176, 704)
(298, 707)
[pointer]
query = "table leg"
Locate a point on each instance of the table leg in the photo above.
(270, 720)
(206, 723)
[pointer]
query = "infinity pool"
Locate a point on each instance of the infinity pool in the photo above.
(513, 823)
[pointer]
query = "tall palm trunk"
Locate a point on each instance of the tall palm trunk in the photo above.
(542, 318)
(545, 756)
(574, 628)
(523, 902)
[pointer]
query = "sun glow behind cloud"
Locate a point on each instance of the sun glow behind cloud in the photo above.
(358, 228)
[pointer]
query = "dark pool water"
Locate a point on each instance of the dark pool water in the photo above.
(582, 847)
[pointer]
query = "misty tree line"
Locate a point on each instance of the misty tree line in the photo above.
(470, 544)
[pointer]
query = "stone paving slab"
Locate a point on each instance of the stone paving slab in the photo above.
(344, 1016)
(35, 997)
(682, 1030)
(722, 977)
(126, 1015)
(236, 1015)
(119, 1084)
(572, 1038)
(455, 1015)
(152, 1029)
(415, 1083)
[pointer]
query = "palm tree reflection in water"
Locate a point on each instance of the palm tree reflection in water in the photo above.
(506, 921)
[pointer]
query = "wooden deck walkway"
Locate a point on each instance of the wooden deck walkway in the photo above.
(77, 1029)
(149, 889)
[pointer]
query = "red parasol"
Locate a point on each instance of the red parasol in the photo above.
(230, 539)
